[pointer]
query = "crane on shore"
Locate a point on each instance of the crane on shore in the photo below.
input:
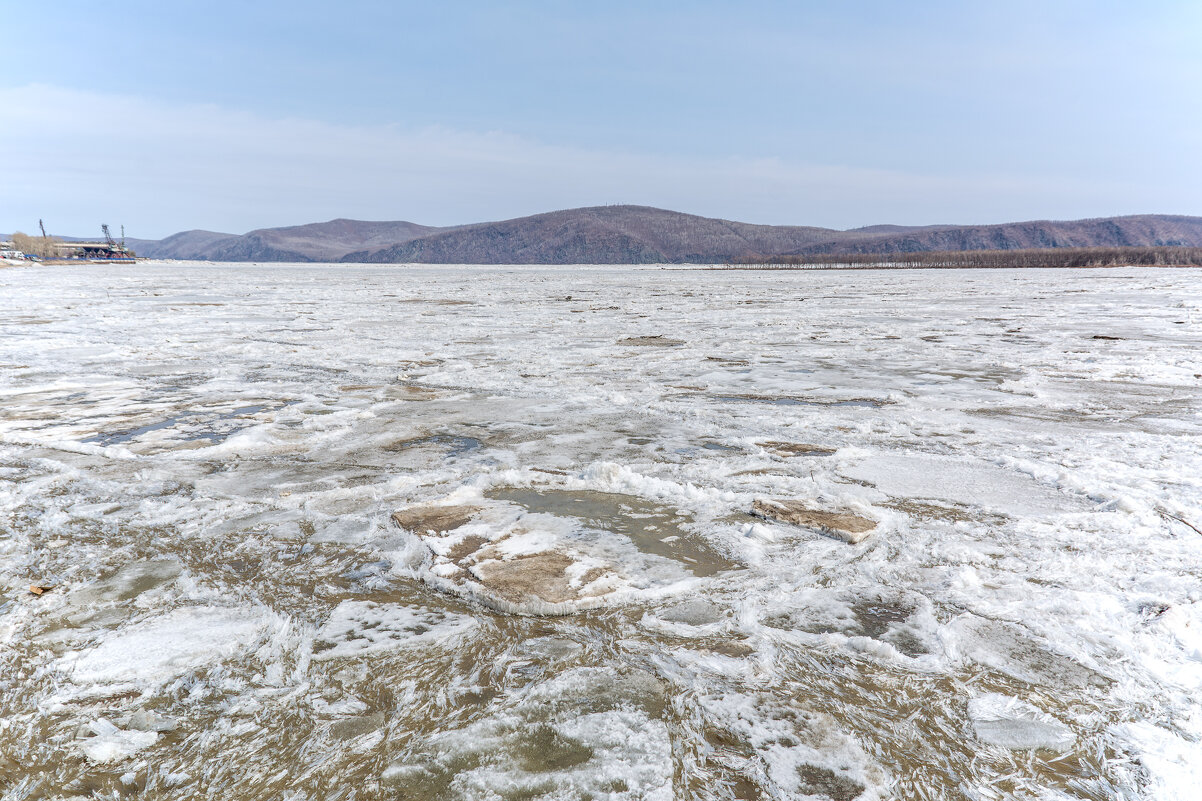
(115, 251)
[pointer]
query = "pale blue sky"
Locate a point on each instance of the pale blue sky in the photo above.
(232, 116)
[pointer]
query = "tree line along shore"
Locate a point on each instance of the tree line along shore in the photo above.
(1040, 257)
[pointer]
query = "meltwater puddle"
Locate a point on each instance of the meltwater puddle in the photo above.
(786, 400)
(188, 427)
(653, 529)
(453, 445)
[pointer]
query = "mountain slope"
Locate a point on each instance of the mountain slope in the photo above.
(640, 234)
(598, 235)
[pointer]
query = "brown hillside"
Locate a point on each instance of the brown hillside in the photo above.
(640, 234)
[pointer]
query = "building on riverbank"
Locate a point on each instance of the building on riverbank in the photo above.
(90, 252)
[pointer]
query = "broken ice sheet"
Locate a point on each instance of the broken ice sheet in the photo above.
(588, 733)
(1028, 462)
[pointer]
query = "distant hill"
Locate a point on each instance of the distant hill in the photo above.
(597, 235)
(334, 239)
(327, 241)
(640, 234)
(184, 245)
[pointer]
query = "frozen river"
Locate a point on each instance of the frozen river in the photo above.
(339, 532)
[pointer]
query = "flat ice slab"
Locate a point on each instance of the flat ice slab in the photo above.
(970, 482)
(1013, 723)
(156, 650)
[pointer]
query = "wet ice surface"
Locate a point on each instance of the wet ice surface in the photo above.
(203, 463)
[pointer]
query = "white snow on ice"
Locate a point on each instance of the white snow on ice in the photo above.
(202, 461)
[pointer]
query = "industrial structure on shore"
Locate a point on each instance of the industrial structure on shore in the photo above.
(51, 250)
(107, 251)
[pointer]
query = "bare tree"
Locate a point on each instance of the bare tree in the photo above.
(42, 246)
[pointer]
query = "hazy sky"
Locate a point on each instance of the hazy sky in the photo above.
(232, 116)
